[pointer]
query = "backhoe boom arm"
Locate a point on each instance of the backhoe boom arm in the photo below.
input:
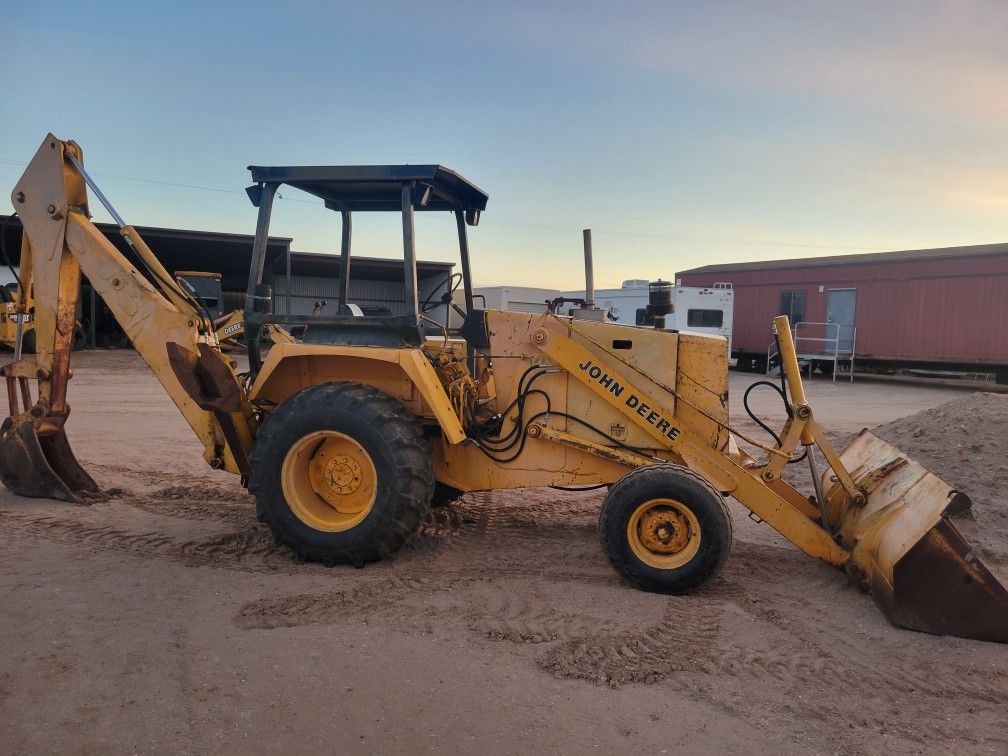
(60, 244)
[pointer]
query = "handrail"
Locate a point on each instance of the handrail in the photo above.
(830, 345)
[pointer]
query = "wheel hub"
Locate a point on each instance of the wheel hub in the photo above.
(329, 481)
(664, 533)
(341, 473)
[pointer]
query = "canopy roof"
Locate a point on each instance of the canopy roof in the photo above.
(376, 187)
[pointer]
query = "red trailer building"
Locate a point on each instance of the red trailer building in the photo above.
(931, 308)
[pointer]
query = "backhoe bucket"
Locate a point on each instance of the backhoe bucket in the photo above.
(42, 466)
(905, 550)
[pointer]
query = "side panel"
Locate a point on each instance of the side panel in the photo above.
(466, 467)
(702, 384)
(628, 349)
(512, 354)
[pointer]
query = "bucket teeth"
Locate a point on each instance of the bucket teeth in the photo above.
(907, 552)
(42, 466)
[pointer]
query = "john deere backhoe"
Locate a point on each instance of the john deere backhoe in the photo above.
(345, 436)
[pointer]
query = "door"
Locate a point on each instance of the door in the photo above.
(840, 310)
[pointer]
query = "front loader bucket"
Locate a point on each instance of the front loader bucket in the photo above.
(42, 466)
(905, 550)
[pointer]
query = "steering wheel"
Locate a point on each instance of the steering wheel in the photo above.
(451, 284)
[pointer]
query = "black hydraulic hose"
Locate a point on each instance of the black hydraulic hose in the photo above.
(781, 392)
(481, 433)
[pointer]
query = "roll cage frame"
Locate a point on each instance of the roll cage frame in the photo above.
(361, 188)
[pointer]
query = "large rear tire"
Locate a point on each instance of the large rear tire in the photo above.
(665, 528)
(342, 474)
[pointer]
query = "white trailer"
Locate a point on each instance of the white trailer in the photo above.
(620, 304)
(698, 309)
(514, 298)
(703, 310)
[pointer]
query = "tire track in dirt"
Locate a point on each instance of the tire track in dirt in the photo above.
(805, 613)
(502, 613)
(249, 549)
(694, 644)
(694, 647)
(361, 601)
(250, 546)
(689, 625)
(232, 511)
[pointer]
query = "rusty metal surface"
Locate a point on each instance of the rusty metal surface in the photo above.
(940, 586)
(42, 467)
(907, 552)
(206, 377)
(210, 382)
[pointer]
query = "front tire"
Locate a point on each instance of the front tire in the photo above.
(342, 474)
(665, 528)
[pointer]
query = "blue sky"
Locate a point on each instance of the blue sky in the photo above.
(682, 133)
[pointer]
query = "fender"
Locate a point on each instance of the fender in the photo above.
(290, 368)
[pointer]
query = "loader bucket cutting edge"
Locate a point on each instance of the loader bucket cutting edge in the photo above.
(43, 467)
(906, 551)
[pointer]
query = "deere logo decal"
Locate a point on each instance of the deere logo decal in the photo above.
(634, 402)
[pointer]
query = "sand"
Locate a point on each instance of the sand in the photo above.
(965, 442)
(165, 620)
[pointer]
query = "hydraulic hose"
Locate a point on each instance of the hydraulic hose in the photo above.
(787, 406)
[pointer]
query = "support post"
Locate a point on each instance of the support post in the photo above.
(287, 296)
(463, 236)
(344, 296)
(260, 244)
(409, 252)
(252, 326)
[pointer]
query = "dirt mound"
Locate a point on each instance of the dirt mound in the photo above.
(965, 442)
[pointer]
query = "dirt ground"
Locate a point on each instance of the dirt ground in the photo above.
(164, 620)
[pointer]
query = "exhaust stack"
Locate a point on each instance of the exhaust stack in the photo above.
(589, 271)
(588, 311)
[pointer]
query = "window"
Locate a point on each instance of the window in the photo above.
(704, 318)
(792, 304)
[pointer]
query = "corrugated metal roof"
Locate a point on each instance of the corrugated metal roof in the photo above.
(178, 248)
(939, 253)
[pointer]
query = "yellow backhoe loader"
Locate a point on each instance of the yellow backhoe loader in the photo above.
(344, 436)
(17, 327)
(17, 322)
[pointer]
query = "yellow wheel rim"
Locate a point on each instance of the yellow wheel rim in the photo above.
(329, 481)
(664, 533)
